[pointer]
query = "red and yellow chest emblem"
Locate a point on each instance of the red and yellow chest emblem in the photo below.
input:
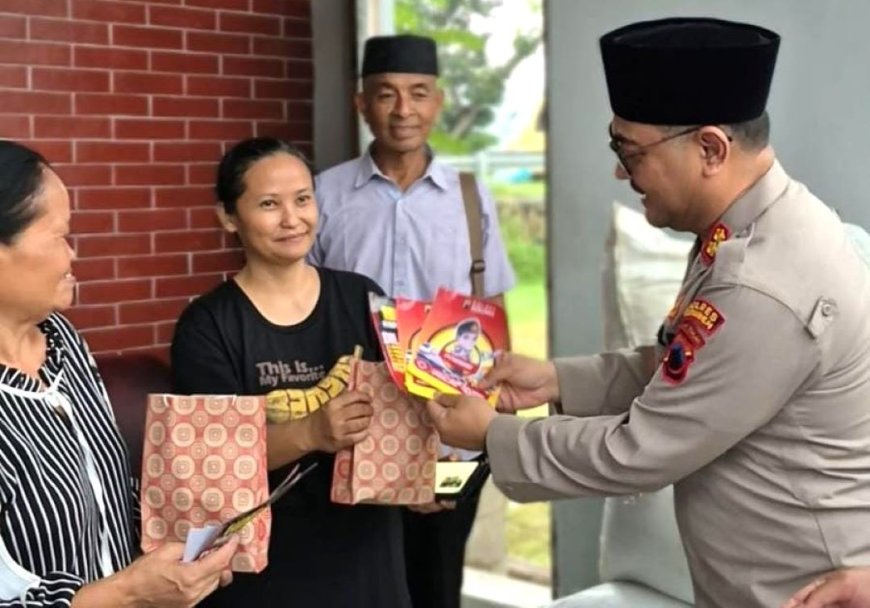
(718, 234)
(699, 321)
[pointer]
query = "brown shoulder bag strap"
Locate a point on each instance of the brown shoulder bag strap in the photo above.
(471, 198)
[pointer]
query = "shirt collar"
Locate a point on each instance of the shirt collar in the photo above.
(745, 210)
(368, 170)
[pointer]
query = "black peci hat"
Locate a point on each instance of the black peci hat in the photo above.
(689, 71)
(405, 54)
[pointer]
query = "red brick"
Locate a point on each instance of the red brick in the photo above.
(13, 76)
(83, 127)
(281, 47)
(153, 266)
(299, 70)
(112, 152)
(173, 287)
(85, 175)
(105, 105)
(148, 175)
(188, 18)
(199, 107)
(283, 89)
(252, 66)
(224, 130)
(13, 27)
(92, 222)
(238, 108)
(152, 311)
(113, 245)
(93, 269)
(251, 24)
(293, 8)
(160, 351)
(297, 28)
(147, 37)
(165, 332)
(231, 5)
(35, 102)
(201, 174)
(188, 240)
(294, 131)
(113, 197)
(83, 317)
(108, 10)
(54, 151)
(34, 53)
(299, 111)
(65, 30)
(148, 129)
(218, 43)
(14, 127)
(119, 338)
(219, 87)
(187, 152)
(231, 240)
(151, 220)
(203, 217)
(145, 82)
(187, 197)
(164, 61)
(65, 79)
(35, 7)
(218, 261)
(105, 292)
(117, 59)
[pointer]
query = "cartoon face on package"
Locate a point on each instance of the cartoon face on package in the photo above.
(460, 338)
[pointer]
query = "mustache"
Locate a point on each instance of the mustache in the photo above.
(636, 188)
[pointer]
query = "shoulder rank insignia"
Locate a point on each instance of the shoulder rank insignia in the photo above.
(719, 233)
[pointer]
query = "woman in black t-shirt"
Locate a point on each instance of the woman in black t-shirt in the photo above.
(282, 323)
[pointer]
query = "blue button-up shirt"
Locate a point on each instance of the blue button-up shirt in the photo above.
(409, 242)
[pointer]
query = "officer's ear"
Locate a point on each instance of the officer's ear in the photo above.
(226, 220)
(715, 148)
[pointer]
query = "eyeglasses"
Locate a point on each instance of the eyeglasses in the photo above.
(616, 143)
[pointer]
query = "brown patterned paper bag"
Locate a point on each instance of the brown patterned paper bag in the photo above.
(204, 462)
(395, 465)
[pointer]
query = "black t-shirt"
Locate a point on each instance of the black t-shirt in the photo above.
(320, 554)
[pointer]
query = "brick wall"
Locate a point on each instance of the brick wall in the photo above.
(134, 102)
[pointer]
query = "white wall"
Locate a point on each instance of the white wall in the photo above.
(818, 108)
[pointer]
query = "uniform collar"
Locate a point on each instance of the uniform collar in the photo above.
(745, 210)
(368, 170)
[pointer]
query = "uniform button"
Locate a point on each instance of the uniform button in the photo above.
(827, 309)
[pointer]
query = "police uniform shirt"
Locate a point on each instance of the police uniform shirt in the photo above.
(759, 412)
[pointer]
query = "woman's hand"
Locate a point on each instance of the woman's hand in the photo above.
(341, 422)
(160, 579)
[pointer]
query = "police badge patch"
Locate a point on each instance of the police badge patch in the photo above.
(700, 320)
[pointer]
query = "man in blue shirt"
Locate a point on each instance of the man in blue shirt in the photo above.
(397, 215)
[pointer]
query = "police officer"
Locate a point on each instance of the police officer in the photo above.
(758, 410)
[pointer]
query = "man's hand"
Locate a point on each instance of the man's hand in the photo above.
(462, 421)
(525, 382)
(849, 588)
(342, 422)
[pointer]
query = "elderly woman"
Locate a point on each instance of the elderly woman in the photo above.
(282, 323)
(66, 497)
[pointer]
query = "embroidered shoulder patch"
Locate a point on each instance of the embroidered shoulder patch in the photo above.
(719, 233)
(679, 357)
(704, 315)
(700, 320)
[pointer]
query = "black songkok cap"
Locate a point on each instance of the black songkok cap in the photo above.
(404, 54)
(689, 71)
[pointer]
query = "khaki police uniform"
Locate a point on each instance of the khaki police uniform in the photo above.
(759, 412)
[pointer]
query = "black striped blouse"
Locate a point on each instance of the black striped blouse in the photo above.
(66, 496)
